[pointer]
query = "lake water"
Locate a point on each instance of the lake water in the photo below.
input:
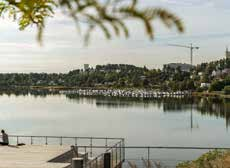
(158, 122)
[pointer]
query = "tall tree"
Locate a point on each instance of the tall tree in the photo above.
(108, 15)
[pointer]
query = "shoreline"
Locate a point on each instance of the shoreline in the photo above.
(193, 93)
(211, 95)
(142, 92)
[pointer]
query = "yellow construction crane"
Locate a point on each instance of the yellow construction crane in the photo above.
(191, 47)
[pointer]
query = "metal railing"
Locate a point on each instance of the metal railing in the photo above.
(117, 152)
(61, 138)
(115, 146)
(147, 158)
(64, 140)
(109, 145)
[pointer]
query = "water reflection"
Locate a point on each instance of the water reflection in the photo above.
(27, 91)
(161, 122)
(206, 106)
(219, 108)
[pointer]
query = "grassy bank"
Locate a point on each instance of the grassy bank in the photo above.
(211, 94)
(212, 159)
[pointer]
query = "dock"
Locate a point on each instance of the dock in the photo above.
(60, 152)
(31, 156)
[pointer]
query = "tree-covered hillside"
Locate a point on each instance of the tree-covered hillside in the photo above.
(129, 76)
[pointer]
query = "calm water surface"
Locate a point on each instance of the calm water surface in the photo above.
(166, 122)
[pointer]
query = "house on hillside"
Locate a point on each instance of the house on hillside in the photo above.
(226, 71)
(183, 67)
(200, 73)
(216, 73)
(205, 85)
(52, 83)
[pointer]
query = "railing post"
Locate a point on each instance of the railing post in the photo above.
(148, 156)
(120, 153)
(106, 143)
(77, 163)
(46, 141)
(107, 160)
(75, 141)
(96, 163)
(31, 140)
(60, 140)
(17, 140)
(116, 155)
(91, 145)
(112, 158)
(123, 142)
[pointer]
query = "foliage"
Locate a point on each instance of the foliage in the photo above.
(107, 15)
(216, 86)
(219, 84)
(28, 12)
(111, 75)
(201, 89)
(120, 76)
(227, 90)
(210, 159)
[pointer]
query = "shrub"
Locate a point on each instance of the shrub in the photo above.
(217, 86)
(199, 89)
(227, 90)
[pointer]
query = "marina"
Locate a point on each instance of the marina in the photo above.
(125, 93)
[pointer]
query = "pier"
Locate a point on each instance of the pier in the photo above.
(61, 152)
(87, 152)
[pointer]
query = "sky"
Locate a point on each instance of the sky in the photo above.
(206, 21)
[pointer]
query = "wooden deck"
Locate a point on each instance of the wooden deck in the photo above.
(31, 156)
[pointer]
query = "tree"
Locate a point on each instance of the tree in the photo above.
(227, 90)
(145, 83)
(136, 82)
(93, 13)
(190, 85)
(216, 86)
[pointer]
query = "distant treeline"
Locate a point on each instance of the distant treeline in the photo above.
(124, 76)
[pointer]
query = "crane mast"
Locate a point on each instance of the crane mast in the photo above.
(191, 47)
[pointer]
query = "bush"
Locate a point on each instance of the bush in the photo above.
(216, 158)
(217, 86)
(227, 90)
(199, 89)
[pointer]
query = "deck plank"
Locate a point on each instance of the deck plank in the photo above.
(31, 156)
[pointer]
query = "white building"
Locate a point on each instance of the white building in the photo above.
(216, 73)
(202, 85)
(184, 67)
(200, 73)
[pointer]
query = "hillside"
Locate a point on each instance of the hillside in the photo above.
(213, 76)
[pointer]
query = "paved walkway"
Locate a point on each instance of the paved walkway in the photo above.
(31, 156)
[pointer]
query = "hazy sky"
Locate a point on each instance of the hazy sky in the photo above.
(207, 25)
